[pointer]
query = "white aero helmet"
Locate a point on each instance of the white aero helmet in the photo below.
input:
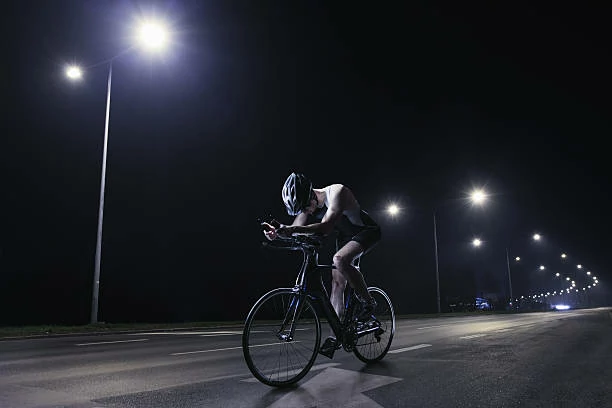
(296, 193)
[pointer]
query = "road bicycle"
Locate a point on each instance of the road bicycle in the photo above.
(282, 332)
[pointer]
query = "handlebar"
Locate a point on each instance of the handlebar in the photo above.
(296, 242)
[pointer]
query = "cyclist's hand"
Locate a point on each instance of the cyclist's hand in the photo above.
(269, 231)
(285, 230)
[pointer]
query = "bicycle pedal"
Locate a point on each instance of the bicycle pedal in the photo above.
(329, 347)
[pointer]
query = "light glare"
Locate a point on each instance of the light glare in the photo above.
(478, 196)
(153, 35)
(74, 72)
(393, 210)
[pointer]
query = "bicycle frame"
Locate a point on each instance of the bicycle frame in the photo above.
(319, 296)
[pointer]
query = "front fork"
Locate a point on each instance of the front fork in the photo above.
(294, 310)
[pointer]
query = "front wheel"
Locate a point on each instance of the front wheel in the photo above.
(281, 337)
(373, 345)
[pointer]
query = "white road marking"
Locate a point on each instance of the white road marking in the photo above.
(227, 348)
(418, 346)
(433, 327)
(191, 333)
(502, 330)
(473, 336)
(335, 387)
(317, 367)
(110, 342)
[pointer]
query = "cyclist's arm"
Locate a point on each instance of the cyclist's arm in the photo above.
(324, 227)
(300, 219)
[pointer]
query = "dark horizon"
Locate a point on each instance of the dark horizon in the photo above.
(414, 104)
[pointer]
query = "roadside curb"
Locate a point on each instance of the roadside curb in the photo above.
(134, 331)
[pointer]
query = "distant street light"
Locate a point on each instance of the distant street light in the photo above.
(393, 210)
(579, 266)
(542, 267)
(152, 36)
(74, 72)
(476, 242)
(478, 196)
(537, 237)
(518, 258)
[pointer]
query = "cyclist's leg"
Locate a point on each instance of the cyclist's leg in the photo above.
(343, 261)
(336, 297)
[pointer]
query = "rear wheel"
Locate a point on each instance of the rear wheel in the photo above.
(374, 345)
(281, 337)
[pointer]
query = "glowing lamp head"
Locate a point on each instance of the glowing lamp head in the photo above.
(74, 72)
(152, 35)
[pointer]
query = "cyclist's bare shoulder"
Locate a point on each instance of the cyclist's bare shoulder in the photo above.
(341, 198)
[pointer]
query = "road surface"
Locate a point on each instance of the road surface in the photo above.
(552, 359)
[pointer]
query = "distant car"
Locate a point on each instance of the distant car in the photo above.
(482, 304)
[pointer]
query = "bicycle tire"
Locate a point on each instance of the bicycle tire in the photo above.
(273, 360)
(372, 347)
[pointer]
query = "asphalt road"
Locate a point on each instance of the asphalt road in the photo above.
(553, 359)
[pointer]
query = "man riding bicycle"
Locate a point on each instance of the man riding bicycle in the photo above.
(335, 208)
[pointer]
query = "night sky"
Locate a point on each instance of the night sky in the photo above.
(414, 103)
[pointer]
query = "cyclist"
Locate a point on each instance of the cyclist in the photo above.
(335, 208)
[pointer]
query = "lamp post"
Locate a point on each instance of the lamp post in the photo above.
(509, 273)
(437, 267)
(476, 197)
(96, 281)
(535, 237)
(152, 36)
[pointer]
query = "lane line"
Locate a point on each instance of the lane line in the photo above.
(227, 348)
(418, 346)
(502, 330)
(190, 333)
(110, 342)
(473, 336)
(433, 327)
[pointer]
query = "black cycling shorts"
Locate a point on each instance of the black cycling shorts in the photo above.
(368, 237)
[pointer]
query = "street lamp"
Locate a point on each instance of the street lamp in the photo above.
(74, 72)
(152, 36)
(476, 242)
(393, 210)
(537, 237)
(477, 196)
